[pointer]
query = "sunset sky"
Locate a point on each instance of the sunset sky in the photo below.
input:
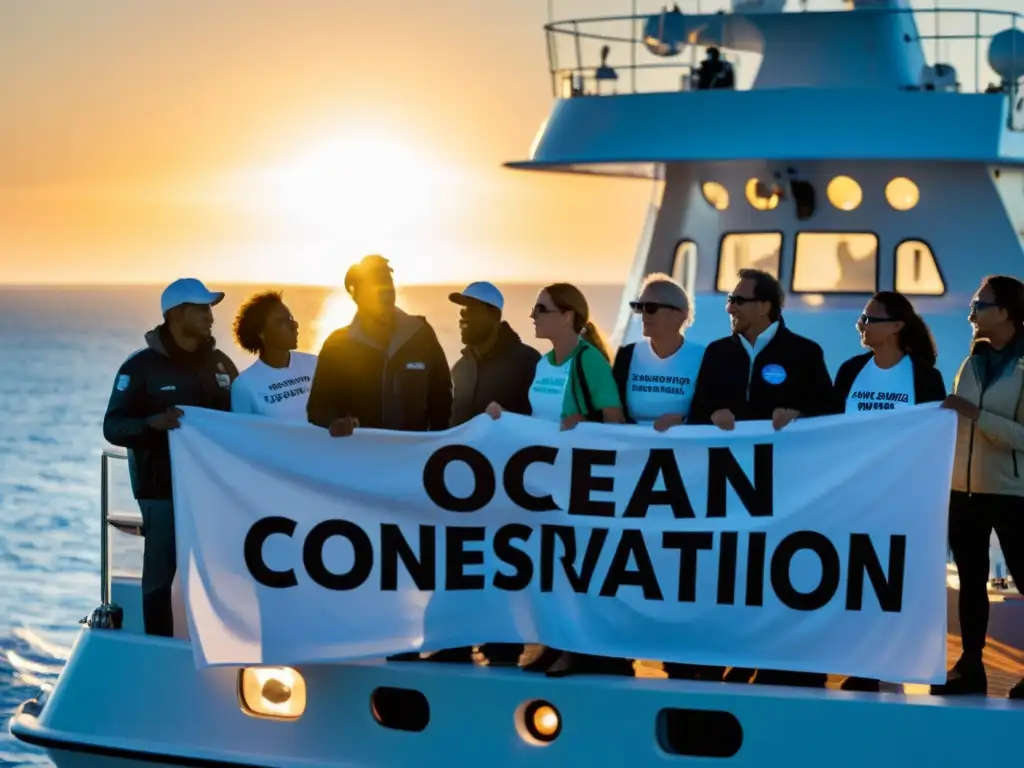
(280, 140)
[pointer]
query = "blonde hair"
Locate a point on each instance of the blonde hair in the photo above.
(671, 293)
(568, 298)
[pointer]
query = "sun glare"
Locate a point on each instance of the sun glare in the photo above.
(357, 194)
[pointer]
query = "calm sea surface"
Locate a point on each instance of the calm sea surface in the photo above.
(59, 350)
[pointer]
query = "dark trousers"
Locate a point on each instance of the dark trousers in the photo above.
(971, 522)
(159, 563)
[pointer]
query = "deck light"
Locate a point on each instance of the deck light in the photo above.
(541, 721)
(277, 692)
(844, 193)
(716, 195)
(902, 193)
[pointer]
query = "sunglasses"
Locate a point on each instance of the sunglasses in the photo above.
(540, 309)
(648, 307)
(739, 301)
(870, 319)
(977, 305)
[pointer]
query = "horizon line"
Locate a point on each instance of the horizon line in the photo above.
(266, 283)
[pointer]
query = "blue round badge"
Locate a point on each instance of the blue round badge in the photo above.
(773, 374)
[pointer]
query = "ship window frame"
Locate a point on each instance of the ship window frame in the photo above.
(675, 260)
(878, 262)
(730, 233)
(935, 261)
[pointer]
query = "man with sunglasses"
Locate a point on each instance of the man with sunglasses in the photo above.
(762, 371)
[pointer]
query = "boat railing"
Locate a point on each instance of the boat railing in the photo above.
(585, 55)
(120, 524)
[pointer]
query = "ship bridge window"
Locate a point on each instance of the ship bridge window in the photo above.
(748, 250)
(761, 196)
(917, 271)
(684, 269)
(902, 194)
(836, 262)
(716, 195)
(844, 193)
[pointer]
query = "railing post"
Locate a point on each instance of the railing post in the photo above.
(104, 531)
(977, 51)
(632, 47)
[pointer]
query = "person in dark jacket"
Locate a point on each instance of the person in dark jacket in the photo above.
(496, 365)
(386, 370)
(180, 365)
(763, 371)
(898, 372)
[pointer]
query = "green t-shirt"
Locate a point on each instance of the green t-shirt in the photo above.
(597, 371)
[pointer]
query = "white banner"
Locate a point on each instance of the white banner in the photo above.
(819, 548)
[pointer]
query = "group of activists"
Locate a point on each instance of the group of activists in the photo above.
(387, 370)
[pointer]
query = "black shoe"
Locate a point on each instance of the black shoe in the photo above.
(502, 654)
(1017, 692)
(463, 655)
(676, 671)
(797, 679)
(861, 684)
(738, 675)
(966, 678)
(543, 661)
(410, 656)
(587, 664)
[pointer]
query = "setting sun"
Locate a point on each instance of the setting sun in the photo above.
(358, 193)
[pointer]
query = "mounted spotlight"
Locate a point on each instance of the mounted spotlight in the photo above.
(665, 32)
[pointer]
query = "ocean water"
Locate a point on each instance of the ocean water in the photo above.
(59, 351)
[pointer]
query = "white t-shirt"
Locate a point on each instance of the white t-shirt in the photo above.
(547, 392)
(657, 386)
(280, 393)
(876, 389)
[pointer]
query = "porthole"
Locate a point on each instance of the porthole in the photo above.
(716, 195)
(760, 196)
(902, 193)
(844, 193)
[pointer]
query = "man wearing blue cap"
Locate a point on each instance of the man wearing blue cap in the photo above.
(180, 365)
(496, 366)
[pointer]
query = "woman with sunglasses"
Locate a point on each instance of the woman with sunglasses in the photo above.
(573, 383)
(898, 372)
(988, 469)
(656, 376)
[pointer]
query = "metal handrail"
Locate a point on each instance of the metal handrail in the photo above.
(105, 519)
(577, 30)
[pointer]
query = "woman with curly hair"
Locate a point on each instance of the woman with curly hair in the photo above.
(278, 383)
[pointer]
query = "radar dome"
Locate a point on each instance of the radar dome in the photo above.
(665, 32)
(1006, 54)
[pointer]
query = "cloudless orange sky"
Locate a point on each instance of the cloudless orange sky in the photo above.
(280, 140)
(265, 140)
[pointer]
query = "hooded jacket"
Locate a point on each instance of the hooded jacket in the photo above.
(150, 381)
(503, 374)
(406, 386)
(989, 454)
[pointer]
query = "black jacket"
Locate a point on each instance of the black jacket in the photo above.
(149, 382)
(502, 375)
(929, 386)
(405, 387)
(797, 378)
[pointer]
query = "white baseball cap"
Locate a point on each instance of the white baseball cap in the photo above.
(187, 290)
(485, 293)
